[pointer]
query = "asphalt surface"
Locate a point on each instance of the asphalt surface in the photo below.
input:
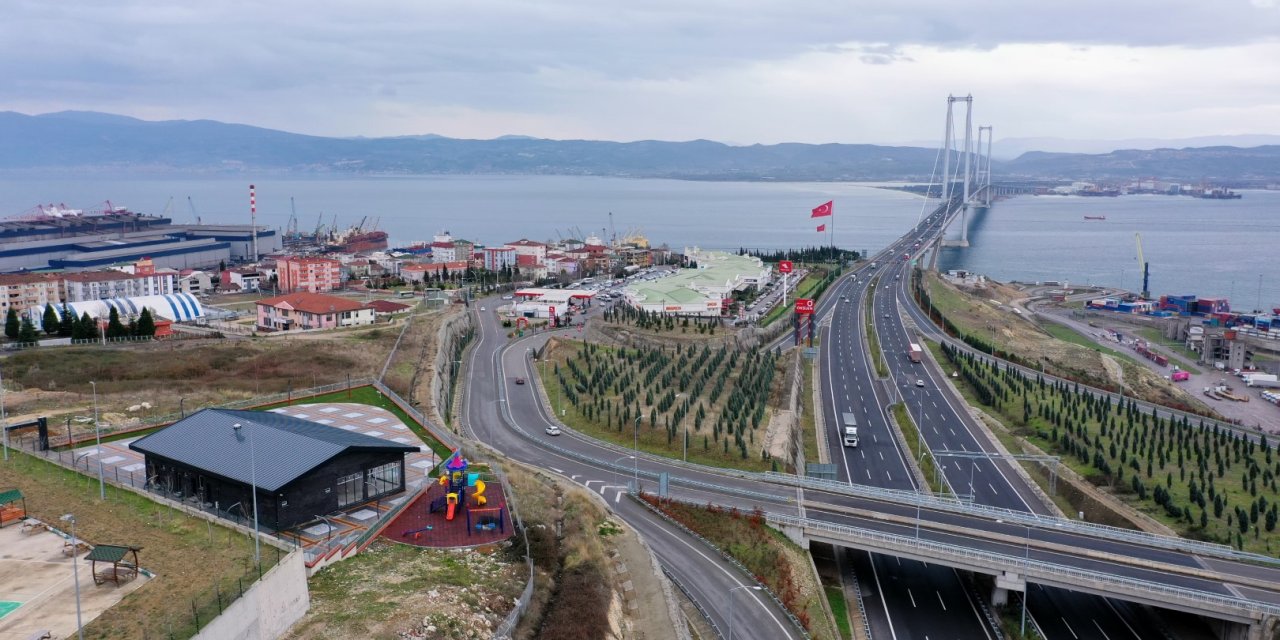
(512, 419)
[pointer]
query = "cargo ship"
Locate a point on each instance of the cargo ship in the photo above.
(1216, 193)
(354, 240)
(1095, 217)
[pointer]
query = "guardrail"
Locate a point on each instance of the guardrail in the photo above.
(1192, 598)
(1023, 518)
(697, 605)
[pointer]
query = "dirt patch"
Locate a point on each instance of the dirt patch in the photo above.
(399, 591)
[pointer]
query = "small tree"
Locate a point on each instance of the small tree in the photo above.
(67, 324)
(27, 332)
(88, 327)
(51, 321)
(146, 323)
(11, 324)
(115, 329)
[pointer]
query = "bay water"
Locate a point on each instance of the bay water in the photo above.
(1205, 247)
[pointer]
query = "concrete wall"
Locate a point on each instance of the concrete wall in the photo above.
(268, 608)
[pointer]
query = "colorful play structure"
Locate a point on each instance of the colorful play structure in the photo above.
(458, 482)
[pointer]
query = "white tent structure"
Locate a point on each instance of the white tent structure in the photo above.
(178, 307)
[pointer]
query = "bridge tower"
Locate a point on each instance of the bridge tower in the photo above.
(968, 171)
(984, 167)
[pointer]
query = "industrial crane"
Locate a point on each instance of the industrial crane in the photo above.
(1146, 268)
(192, 205)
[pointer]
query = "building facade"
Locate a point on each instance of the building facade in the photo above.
(310, 274)
(21, 291)
(101, 285)
(305, 310)
(498, 258)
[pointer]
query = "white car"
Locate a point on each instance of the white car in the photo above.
(553, 430)
(919, 383)
(482, 308)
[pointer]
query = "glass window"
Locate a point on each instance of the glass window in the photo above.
(384, 479)
(349, 490)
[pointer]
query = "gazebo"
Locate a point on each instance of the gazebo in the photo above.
(13, 507)
(119, 570)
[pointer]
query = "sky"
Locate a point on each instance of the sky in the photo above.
(736, 71)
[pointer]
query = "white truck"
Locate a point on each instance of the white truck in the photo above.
(1265, 380)
(850, 429)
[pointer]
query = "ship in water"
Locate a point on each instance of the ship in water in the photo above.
(357, 239)
(1215, 193)
(1095, 217)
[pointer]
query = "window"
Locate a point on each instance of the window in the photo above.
(349, 490)
(384, 479)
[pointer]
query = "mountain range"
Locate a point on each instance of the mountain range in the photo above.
(98, 142)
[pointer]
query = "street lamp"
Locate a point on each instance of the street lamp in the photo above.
(1026, 587)
(635, 447)
(97, 434)
(616, 475)
(253, 484)
(75, 571)
(745, 586)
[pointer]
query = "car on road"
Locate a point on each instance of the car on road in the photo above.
(508, 297)
(519, 380)
(482, 308)
(553, 430)
(919, 383)
(886, 316)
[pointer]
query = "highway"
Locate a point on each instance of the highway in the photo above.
(511, 418)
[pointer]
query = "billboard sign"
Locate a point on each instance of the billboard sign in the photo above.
(804, 306)
(784, 266)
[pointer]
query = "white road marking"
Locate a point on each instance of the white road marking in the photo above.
(556, 470)
(993, 488)
(940, 600)
(587, 484)
(1104, 633)
(913, 598)
(1073, 631)
(575, 476)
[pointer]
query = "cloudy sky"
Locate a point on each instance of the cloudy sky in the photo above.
(738, 71)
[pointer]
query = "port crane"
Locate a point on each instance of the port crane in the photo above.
(192, 205)
(1146, 269)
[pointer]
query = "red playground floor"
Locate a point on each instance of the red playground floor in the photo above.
(488, 524)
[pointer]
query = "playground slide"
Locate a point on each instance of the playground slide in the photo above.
(448, 515)
(479, 494)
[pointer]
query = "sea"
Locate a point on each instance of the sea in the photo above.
(1209, 248)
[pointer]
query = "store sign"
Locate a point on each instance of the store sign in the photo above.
(804, 305)
(784, 266)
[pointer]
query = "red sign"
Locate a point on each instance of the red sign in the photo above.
(551, 311)
(804, 306)
(784, 266)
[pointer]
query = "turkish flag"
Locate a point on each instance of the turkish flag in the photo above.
(823, 210)
(821, 228)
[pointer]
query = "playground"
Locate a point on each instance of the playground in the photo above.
(459, 509)
(37, 592)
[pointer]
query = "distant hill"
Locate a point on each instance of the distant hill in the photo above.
(1009, 148)
(88, 141)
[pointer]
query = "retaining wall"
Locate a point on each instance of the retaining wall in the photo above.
(267, 610)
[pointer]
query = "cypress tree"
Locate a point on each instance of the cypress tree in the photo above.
(27, 332)
(11, 324)
(67, 324)
(146, 323)
(88, 327)
(114, 328)
(51, 321)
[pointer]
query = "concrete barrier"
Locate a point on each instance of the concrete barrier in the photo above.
(267, 610)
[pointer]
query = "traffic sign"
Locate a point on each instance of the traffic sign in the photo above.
(784, 266)
(804, 305)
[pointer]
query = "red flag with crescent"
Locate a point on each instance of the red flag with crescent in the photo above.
(821, 228)
(823, 210)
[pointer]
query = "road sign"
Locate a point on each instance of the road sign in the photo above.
(804, 305)
(784, 266)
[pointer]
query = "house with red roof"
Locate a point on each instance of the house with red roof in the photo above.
(305, 310)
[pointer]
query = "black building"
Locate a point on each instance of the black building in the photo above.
(302, 469)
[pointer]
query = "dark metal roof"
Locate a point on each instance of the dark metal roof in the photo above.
(110, 553)
(283, 447)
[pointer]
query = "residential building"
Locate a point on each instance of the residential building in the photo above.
(306, 310)
(385, 308)
(100, 285)
(241, 279)
(443, 252)
(498, 258)
(311, 274)
(525, 247)
(194, 282)
(423, 271)
(21, 291)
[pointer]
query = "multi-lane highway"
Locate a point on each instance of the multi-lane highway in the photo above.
(905, 599)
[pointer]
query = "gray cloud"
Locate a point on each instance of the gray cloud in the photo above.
(296, 61)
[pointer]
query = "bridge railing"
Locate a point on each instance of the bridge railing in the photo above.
(1196, 599)
(1022, 518)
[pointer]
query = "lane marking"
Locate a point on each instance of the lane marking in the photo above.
(912, 596)
(1104, 633)
(556, 470)
(1073, 631)
(941, 601)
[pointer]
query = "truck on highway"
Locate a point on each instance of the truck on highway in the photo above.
(914, 352)
(850, 429)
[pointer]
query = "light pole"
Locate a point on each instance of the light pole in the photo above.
(745, 586)
(75, 571)
(97, 434)
(617, 475)
(635, 447)
(1026, 587)
(182, 406)
(253, 485)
